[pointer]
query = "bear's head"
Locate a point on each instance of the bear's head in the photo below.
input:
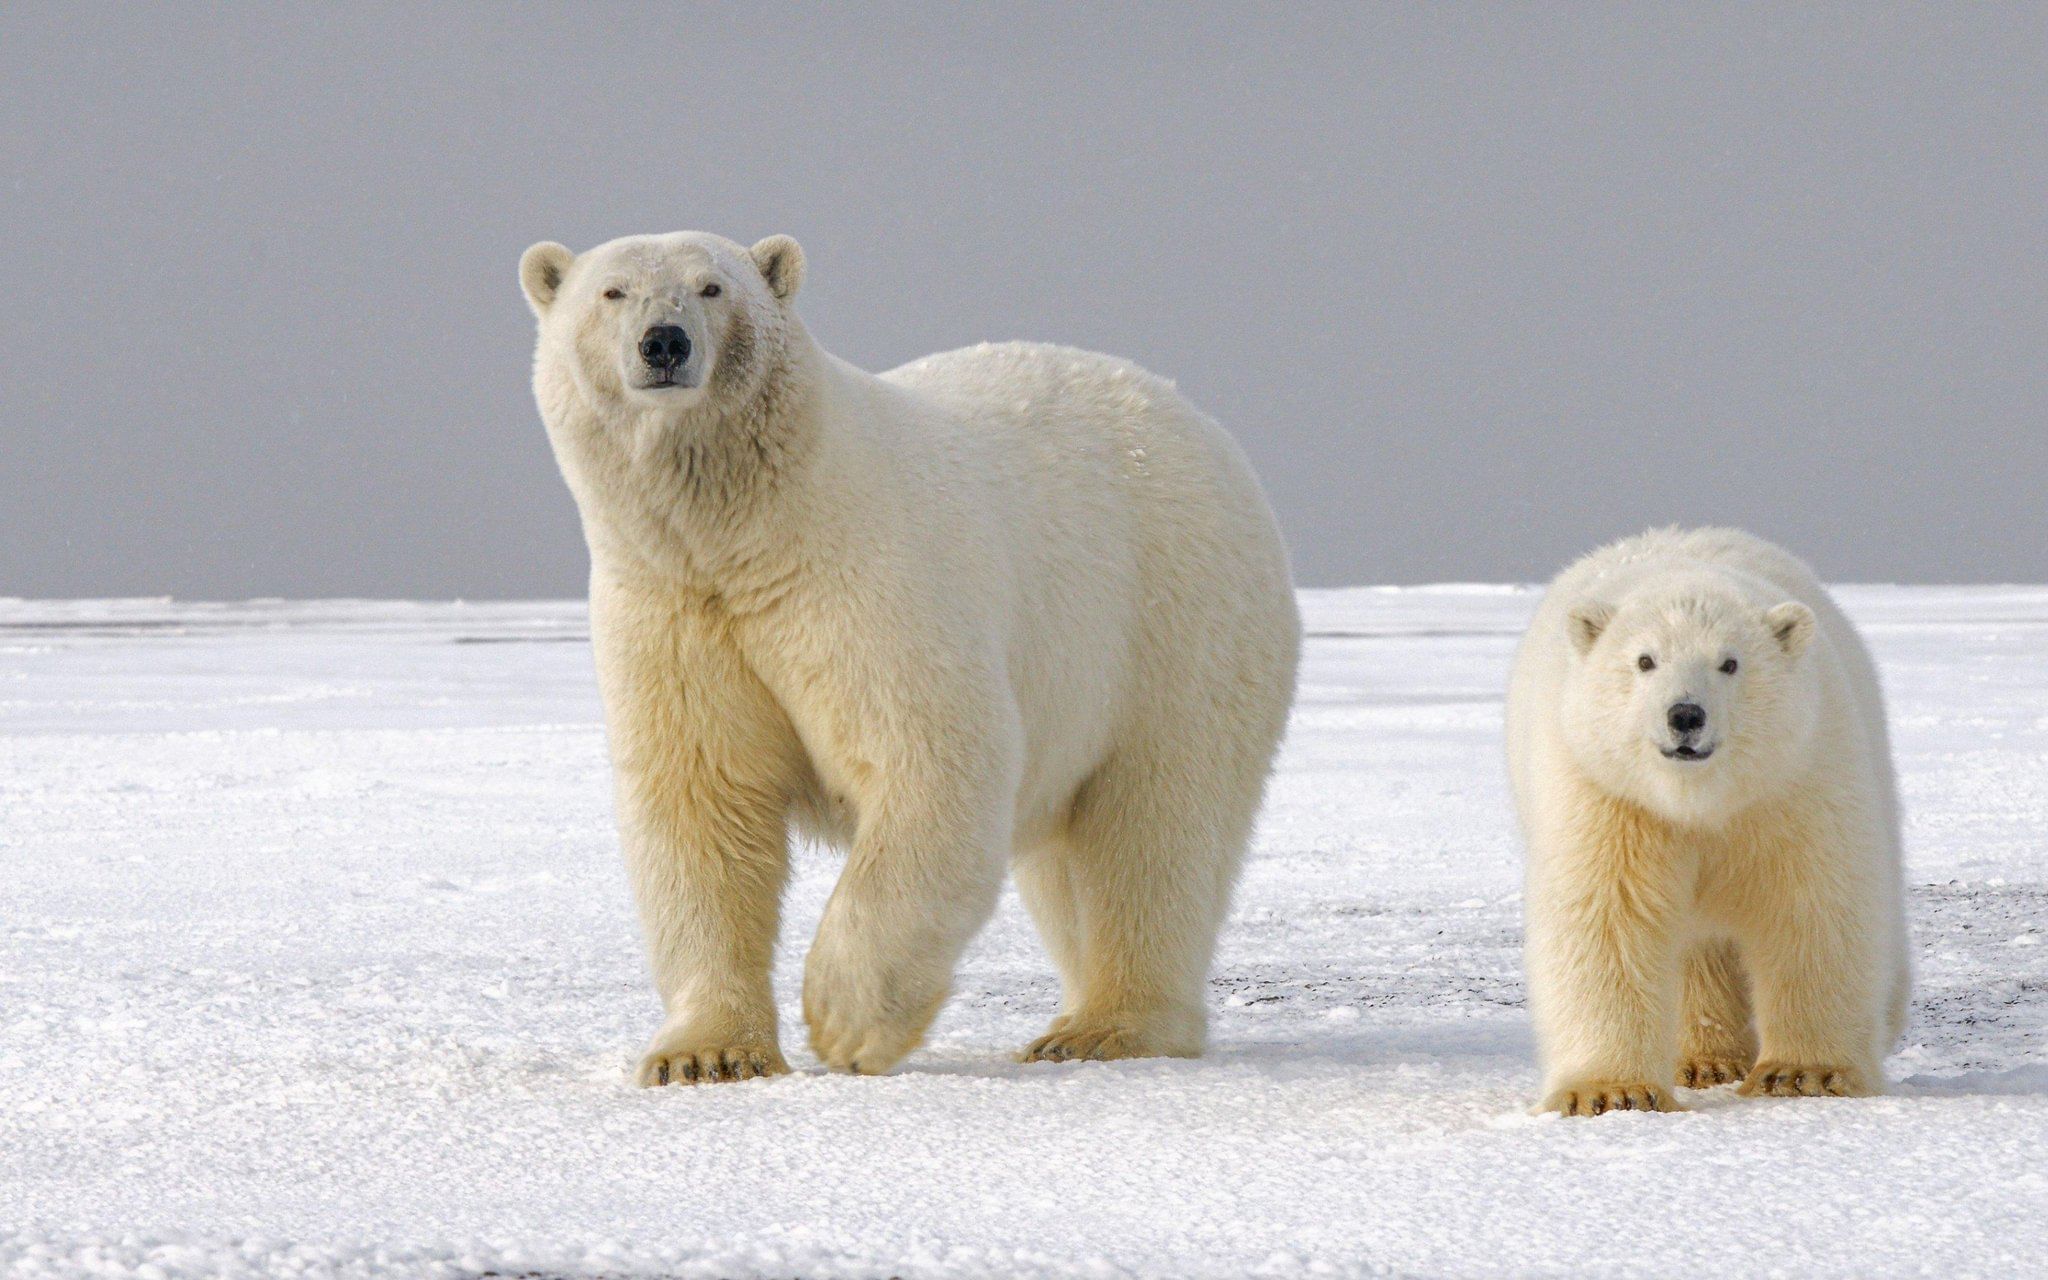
(664, 325)
(1689, 699)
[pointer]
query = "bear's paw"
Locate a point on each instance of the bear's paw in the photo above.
(1598, 1097)
(1083, 1039)
(865, 1018)
(1707, 1071)
(688, 1052)
(1780, 1079)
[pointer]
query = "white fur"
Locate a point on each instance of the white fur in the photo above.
(1014, 605)
(1698, 921)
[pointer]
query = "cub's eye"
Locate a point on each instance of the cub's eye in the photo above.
(614, 294)
(710, 291)
(1728, 667)
(1646, 663)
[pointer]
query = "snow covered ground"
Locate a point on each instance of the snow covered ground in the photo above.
(316, 958)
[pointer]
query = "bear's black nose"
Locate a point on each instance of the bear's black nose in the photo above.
(1686, 717)
(665, 346)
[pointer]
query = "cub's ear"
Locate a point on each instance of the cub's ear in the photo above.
(1791, 624)
(781, 261)
(1586, 623)
(541, 270)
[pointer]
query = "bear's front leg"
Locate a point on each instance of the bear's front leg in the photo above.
(709, 876)
(923, 876)
(705, 763)
(1818, 1003)
(1603, 935)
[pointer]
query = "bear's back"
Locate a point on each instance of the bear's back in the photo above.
(1073, 429)
(1612, 570)
(1056, 397)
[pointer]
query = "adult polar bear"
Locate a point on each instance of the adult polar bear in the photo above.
(1016, 600)
(1698, 749)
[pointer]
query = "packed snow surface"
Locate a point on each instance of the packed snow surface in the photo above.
(316, 958)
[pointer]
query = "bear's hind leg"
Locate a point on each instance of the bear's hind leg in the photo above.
(1131, 900)
(1044, 883)
(1719, 1043)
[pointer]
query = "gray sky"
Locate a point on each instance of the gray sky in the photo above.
(1476, 286)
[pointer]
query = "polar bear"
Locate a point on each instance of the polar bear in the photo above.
(1016, 606)
(1698, 749)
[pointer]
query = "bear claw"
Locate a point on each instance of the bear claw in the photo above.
(709, 1065)
(1791, 1080)
(1705, 1073)
(1596, 1098)
(1068, 1041)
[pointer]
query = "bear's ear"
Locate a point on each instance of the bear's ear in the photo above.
(1586, 623)
(541, 270)
(1791, 624)
(781, 261)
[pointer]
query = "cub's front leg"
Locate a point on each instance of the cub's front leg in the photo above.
(1603, 934)
(1822, 984)
(705, 764)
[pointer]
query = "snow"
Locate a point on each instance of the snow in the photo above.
(316, 958)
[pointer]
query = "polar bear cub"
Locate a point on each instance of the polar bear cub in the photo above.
(1014, 606)
(1697, 744)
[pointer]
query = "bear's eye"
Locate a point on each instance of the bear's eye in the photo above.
(1728, 667)
(1646, 663)
(710, 291)
(614, 294)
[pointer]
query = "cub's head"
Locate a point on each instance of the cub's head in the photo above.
(1688, 699)
(664, 324)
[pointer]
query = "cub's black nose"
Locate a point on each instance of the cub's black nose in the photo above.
(1686, 717)
(665, 346)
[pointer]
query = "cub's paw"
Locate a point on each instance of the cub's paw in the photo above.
(684, 1053)
(1597, 1097)
(1706, 1072)
(1080, 1038)
(1774, 1079)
